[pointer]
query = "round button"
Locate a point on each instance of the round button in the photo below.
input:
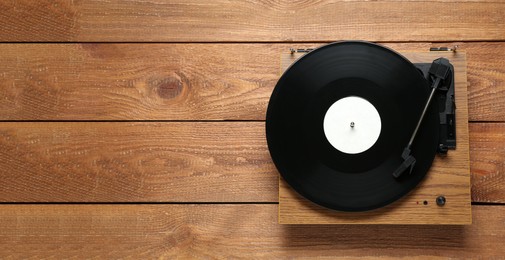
(440, 200)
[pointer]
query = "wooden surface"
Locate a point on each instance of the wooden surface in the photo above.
(182, 81)
(488, 162)
(258, 21)
(448, 176)
(189, 66)
(113, 162)
(133, 162)
(230, 232)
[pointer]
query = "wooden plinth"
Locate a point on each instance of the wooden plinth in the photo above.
(449, 176)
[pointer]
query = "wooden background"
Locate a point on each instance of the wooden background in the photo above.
(136, 128)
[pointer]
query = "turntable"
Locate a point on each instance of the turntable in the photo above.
(361, 134)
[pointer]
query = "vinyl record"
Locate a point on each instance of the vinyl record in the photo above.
(338, 121)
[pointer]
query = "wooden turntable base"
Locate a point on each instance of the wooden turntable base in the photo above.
(449, 176)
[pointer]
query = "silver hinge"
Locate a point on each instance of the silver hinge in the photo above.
(293, 50)
(453, 49)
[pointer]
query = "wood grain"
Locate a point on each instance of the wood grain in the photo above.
(486, 79)
(184, 81)
(207, 161)
(448, 176)
(136, 82)
(159, 81)
(135, 162)
(173, 162)
(258, 21)
(488, 162)
(229, 231)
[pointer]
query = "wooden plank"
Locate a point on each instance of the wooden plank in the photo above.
(159, 81)
(170, 162)
(488, 162)
(229, 231)
(184, 81)
(114, 162)
(132, 81)
(486, 79)
(258, 21)
(448, 176)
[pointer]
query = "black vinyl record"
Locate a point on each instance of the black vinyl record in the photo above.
(302, 152)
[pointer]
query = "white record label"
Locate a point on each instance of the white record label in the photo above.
(352, 125)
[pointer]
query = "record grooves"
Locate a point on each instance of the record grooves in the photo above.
(317, 162)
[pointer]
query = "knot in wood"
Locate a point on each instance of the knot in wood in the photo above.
(169, 87)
